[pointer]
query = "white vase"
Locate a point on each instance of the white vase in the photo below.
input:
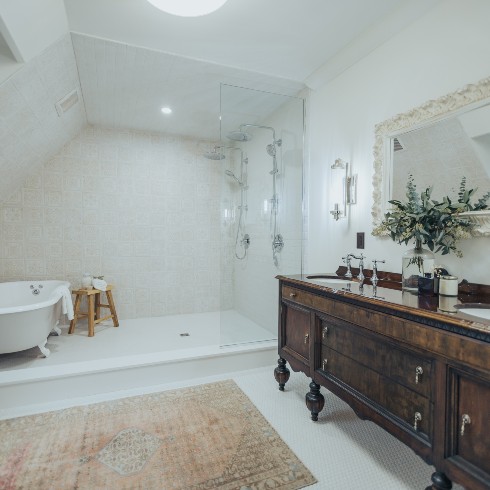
(417, 262)
(87, 281)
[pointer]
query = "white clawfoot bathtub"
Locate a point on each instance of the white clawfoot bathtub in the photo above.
(29, 311)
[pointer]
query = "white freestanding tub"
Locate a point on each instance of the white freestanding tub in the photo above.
(29, 311)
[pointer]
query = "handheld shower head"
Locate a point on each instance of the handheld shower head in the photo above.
(271, 149)
(234, 177)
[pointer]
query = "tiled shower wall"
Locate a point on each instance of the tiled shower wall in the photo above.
(140, 208)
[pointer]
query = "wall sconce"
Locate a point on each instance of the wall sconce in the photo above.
(343, 188)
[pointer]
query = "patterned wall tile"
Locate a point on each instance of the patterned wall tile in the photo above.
(132, 217)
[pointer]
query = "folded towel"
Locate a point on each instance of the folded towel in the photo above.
(99, 284)
(66, 302)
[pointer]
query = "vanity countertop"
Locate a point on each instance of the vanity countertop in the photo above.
(425, 308)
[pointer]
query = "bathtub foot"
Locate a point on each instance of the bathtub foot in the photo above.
(44, 350)
(56, 331)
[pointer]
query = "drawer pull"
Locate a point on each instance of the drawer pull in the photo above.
(307, 338)
(465, 420)
(324, 332)
(418, 373)
(292, 295)
(324, 364)
(417, 419)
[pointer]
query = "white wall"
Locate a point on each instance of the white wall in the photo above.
(446, 49)
(29, 27)
(31, 131)
(140, 208)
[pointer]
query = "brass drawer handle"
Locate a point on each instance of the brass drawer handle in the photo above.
(417, 419)
(307, 338)
(465, 419)
(418, 373)
(292, 295)
(324, 332)
(324, 364)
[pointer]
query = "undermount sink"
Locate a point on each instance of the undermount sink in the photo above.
(330, 279)
(479, 310)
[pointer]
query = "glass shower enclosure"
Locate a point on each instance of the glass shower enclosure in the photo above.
(261, 155)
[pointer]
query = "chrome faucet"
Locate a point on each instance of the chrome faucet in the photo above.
(361, 267)
(374, 277)
(346, 261)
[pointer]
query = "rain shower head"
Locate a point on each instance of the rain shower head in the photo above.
(239, 136)
(234, 177)
(214, 154)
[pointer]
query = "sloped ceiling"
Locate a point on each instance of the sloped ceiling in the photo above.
(126, 86)
(270, 46)
(283, 38)
(30, 129)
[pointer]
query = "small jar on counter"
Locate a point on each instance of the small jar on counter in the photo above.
(448, 286)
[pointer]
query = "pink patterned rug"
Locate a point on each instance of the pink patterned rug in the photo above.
(204, 437)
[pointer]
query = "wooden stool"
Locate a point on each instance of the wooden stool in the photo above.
(94, 306)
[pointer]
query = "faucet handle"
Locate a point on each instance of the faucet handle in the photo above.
(374, 277)
(347, 258)
(346, 261)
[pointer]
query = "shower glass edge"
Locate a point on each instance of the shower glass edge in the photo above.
(261, 208)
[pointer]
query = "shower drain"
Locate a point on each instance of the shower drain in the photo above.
(185, 334)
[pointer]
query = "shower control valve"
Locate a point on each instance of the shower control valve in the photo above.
(246, 241)
(278, 243)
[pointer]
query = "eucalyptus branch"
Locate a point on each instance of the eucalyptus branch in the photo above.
(436, 224)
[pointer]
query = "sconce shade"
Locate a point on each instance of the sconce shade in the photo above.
(342, 189)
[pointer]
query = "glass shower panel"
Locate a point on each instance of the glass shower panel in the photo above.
(261, 208)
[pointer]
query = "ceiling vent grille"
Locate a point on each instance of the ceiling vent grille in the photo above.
(397, 146)
(67, 102)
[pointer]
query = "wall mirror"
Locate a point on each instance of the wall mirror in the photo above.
(438, 143)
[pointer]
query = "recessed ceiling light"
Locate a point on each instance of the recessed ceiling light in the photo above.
(166, 110)
(188, 8)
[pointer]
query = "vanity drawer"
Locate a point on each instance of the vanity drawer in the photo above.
(297, 296)
(399, 365)
(401, 402)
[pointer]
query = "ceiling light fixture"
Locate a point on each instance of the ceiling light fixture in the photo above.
(166, 110)
(188, 8)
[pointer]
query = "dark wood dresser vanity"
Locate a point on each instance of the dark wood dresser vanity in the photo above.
(421, 374)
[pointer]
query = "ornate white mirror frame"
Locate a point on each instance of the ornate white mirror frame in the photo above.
(427, 113)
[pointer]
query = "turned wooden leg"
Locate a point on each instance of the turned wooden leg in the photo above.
(281, 373)
(440, 482)
(314, 401)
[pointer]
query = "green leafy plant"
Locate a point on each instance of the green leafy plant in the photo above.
(437, 224)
